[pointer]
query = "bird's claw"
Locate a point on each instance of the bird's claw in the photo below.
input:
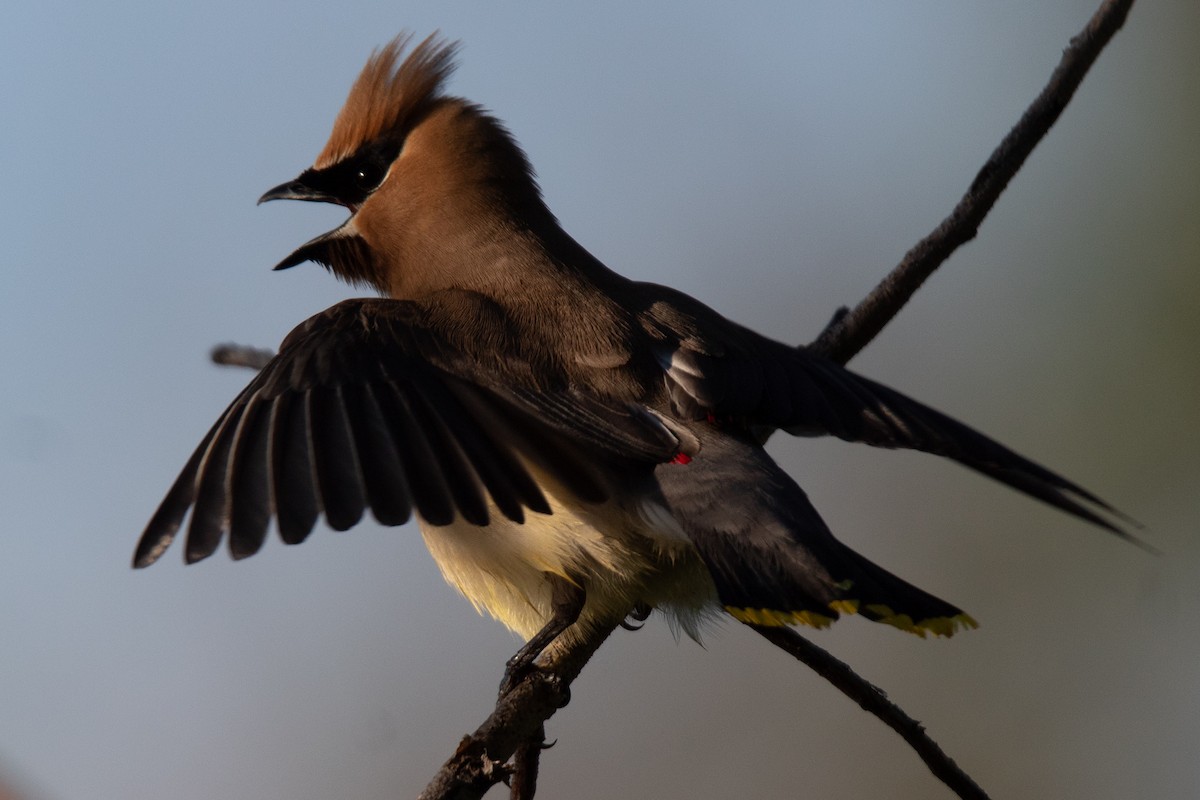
(639, 615)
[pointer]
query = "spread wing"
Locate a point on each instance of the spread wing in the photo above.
(716, 369)
(368, 405)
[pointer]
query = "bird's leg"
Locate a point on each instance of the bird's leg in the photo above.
(640, 613)
(566, 602)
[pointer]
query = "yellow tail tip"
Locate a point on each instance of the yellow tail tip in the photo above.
(772, 618)
(937, 626)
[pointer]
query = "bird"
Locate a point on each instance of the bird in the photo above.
(578, 448)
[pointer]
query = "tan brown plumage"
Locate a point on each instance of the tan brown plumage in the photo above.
(386, 99)
(574, 444)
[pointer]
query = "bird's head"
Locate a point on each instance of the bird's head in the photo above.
(428, 178)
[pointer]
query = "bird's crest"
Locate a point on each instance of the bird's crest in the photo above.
(386, 97)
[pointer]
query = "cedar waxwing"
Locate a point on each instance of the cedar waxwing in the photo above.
(577, 447)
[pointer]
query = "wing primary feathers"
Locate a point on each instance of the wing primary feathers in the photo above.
(250, 480)
(296, 502)
(776, 394)
(162, 527)
(847, 420)
(339, 476)
(210, 514)
(429, 491)
(813, 412)
(773, 385)
(1058, 494)
(383, 474)
(931, 431)
(885, 417)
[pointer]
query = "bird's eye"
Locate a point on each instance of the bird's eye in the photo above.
(368, 176)
(351, 182)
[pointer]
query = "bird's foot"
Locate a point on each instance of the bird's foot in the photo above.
(517, 670)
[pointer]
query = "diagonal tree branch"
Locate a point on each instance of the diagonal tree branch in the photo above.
(873, 699)
(850, 332)
(516, 725)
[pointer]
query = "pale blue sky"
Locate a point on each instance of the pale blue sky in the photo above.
(774, 159)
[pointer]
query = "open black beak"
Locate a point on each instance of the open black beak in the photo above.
(314, 250)
(340, 249)
(297, 190)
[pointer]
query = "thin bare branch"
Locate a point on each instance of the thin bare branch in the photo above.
(851, 332)
(239, 355)
(874, 700)
(522, 783)
(516, 720)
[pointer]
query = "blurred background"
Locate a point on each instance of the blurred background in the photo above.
(773, 159)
